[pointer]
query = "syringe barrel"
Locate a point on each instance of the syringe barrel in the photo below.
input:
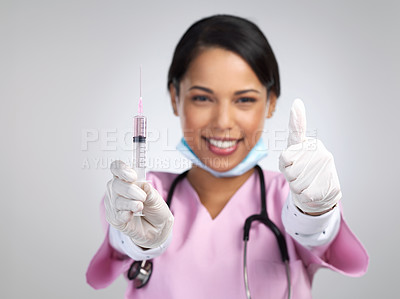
(139, 126)
(139, 146)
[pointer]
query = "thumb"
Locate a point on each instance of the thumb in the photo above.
(297, 123)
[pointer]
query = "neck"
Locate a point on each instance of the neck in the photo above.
(209, 187)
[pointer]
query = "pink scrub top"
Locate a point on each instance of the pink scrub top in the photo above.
(205, 257)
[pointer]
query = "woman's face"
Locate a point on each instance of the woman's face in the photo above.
(222, 107)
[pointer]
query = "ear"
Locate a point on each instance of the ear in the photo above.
(174, 98)
(271, 105)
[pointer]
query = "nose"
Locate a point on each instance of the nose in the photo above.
(223, 117)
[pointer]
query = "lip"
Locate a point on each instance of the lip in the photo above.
(222, 151)
(222, 138)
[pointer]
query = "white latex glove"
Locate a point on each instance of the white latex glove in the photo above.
(125, 197)
(308, 167)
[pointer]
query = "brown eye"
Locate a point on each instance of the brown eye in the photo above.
(200, 98)
(246, 100)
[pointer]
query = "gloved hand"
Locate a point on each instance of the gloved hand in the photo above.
(308, 167)
(125, 196)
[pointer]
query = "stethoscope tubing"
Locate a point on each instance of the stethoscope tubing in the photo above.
(262, 217)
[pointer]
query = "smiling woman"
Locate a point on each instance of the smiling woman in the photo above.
(222, 107)
(223, 84)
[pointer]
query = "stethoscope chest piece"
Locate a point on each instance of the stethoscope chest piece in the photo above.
(140, 272)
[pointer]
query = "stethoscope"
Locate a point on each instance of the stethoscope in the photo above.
(140, 271)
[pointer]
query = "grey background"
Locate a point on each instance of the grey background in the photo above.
(72, 67)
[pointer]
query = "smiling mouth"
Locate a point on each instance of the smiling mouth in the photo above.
(222, 146)
(222, 142)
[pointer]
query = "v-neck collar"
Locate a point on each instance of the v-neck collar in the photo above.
(235, 196)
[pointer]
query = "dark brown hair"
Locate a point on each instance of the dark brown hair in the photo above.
(230, 33)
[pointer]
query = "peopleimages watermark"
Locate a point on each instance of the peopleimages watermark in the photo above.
(113, 140)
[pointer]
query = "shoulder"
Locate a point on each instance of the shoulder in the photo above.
(275, 178)
(276, 186)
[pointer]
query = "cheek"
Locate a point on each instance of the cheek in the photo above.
(253, 120)
(253, 125)
(193, 119)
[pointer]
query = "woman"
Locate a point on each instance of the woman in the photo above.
(224, 83)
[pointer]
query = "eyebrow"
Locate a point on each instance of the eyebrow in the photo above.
(210, 91)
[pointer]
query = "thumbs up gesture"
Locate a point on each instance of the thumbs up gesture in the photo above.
(308, 167)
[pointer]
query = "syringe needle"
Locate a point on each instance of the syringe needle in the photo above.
(140, 109)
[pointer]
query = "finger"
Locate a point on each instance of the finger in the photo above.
(124, 217)
(290, 155)
(294, 160)
(310, 198)
(124, 204)
(297, 123)
(108, 198)
(289, 172)
(123, 171)
(128, 190)
(309, 171)
(155, 208)
(151, 193)
(311, 165)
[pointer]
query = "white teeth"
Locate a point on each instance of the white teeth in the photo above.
(222, 143)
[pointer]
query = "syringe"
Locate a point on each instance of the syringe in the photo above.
(139, 142)
(139, 139)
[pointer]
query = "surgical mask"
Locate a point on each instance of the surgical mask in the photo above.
(258, 152)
